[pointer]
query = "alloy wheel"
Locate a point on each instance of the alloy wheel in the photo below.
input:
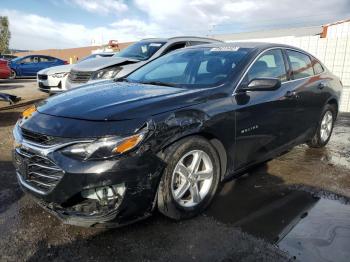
(326, 126)
(192, 178)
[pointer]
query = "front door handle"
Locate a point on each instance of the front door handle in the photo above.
(291, 94)
(322, 85)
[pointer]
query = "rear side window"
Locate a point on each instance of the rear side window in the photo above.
(46, 59)
(301, 64)
(193, 43)
(270, 64)
(318, 68)
(175, 47)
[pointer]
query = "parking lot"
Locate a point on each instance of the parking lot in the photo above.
(293, 207)
(26, 89)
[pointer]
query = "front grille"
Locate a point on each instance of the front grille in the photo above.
(79, 76)
(37, 138)
(37, 171)
(42, 77)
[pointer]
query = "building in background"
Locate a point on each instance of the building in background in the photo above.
(73, 55)
(329, 43)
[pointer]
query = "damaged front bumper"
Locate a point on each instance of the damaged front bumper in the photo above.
(105, 193)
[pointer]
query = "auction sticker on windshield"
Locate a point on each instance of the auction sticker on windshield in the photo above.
(225, 49)
(155, 44)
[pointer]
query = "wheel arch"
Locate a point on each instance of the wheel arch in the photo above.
(15, 70)
(334, 102)
(215, 142)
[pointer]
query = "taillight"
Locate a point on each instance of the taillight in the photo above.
(65, 63)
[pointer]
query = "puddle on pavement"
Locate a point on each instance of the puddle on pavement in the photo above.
(323, 235)
(307, 227)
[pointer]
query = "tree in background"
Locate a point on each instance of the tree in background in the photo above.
(5, 35)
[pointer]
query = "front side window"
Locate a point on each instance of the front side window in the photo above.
(301, 64)
(202, 67)
(28, 60)
(140, 50)
(269, 65)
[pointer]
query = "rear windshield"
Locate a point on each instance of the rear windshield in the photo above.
(140, 50)
(197, 67)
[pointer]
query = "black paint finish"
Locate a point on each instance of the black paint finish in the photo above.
(249, 127)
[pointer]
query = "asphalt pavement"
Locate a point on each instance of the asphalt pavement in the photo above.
(295, 207)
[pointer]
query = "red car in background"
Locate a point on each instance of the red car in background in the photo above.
(5, 71)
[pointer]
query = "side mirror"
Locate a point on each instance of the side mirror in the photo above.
(263, 84)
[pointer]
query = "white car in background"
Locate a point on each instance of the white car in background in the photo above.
(129, 59)
(53, 80)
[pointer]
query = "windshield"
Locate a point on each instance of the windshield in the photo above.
(199, 67)
(140, 50)
(16, 59)
(96, 56)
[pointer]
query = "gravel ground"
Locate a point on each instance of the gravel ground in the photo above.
(246, 221)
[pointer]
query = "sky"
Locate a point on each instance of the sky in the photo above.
(44, 24)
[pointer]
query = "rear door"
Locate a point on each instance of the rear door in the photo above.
(264, 119)
(307, 89)
(45, 62)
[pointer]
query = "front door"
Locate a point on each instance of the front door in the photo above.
(264, 119)
(28, 66)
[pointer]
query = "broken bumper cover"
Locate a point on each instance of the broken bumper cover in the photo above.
(72, 199)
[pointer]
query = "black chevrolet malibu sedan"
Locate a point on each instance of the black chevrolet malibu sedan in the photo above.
(166, 135)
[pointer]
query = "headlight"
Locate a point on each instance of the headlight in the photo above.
(28, 112)
(59, 75)
(107, 73)
(104, 148)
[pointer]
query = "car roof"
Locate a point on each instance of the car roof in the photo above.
(104, 53)
(252, 45)
(182, 38)
(40, 56)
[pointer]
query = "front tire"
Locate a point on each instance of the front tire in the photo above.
(190, 180)
(325, 128)
(13, 74)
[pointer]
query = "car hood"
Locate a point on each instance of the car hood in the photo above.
(110, 100)
(56, 69)
(95, 64)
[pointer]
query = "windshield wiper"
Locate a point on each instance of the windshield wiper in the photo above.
(158, 83)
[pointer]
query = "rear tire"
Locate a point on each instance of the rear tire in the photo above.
(324, 128)
(191, 178)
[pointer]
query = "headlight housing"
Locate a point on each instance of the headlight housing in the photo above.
(59, 75)
(104, 148)
(107, 73)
